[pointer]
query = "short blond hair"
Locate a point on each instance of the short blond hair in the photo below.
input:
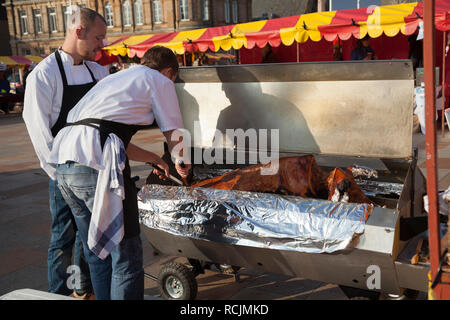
(84, 17)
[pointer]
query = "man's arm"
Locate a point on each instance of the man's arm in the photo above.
(168, 116)
(38, 103)
(138, 154)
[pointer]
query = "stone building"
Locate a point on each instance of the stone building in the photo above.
(5, 50)
(38, 27)
(389, 2)
(268, 9)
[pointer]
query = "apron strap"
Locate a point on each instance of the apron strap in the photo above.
(63, 74)
(61, 68)
(124, 131)
(92, 75)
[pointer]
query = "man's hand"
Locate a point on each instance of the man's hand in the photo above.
(162, 165)
(183, 171)
(138, 154)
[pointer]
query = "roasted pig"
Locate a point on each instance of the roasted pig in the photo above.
(299, 176)
(342, 187)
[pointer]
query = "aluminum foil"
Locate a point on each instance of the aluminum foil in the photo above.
(367, 172)
(252, 219)
(379, 188)
(201, 173)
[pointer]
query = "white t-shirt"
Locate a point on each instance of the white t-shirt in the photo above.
(137, 95)
(43, 98)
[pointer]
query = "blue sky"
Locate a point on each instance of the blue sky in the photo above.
(351, 4)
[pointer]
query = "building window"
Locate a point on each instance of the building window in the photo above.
(67, 13)
(184, 10)
(234, 10)
(109, 15)
(37, 20)
(126, 13)
(205, 10)
(23, 21)
(52, 19)
(227, 11)
(138, 13)
(157, 11)
(26, 52)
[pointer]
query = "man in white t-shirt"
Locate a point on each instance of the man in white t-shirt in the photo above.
(54, 86)
(88, 152)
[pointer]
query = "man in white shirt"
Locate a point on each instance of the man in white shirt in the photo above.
(54, 87)
(90, 156)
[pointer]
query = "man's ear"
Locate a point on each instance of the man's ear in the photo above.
(167, 72)
(80, 32)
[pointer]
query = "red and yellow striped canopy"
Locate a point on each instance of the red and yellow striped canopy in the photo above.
(374, 21)
(19, 60)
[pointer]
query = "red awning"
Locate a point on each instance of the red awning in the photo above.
(342, 24)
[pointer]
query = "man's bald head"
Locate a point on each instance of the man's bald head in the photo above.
(86, 32)
(84, 17)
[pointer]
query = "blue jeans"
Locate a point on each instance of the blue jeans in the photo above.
(64, 239)
(121, 275)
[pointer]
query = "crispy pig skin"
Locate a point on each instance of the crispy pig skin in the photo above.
(336, 178)
(299, 176)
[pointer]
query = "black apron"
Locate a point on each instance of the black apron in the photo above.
(71, 95)
(125, 132)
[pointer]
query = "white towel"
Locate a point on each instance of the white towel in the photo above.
(106, 228)
(443, 203)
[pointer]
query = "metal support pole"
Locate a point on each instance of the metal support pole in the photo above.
(430, 138)
(444, 45)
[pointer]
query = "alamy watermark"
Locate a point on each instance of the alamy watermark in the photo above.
(235, 146)
(74, 280)
(373, 282)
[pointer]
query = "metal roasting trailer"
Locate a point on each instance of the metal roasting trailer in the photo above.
(344, 113)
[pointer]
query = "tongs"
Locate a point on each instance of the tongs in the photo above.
(171, 177)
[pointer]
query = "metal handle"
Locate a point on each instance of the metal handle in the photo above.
(181, 164)
(171, 177)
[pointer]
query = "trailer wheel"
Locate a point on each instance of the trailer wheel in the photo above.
(359, 294)
(177, 282)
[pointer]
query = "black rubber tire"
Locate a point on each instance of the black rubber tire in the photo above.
(360, 298)
(352, 292)
(183, 275)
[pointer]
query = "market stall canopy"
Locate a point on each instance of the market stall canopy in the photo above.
(342, 24)
(11, 61)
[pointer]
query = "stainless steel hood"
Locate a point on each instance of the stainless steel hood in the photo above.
(358, 109)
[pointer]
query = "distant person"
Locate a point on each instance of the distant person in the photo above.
(415, 51)
(267, 55)
(113, 69)
(4, 84)
(363, 51)
(4, 93)
(26, 72)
